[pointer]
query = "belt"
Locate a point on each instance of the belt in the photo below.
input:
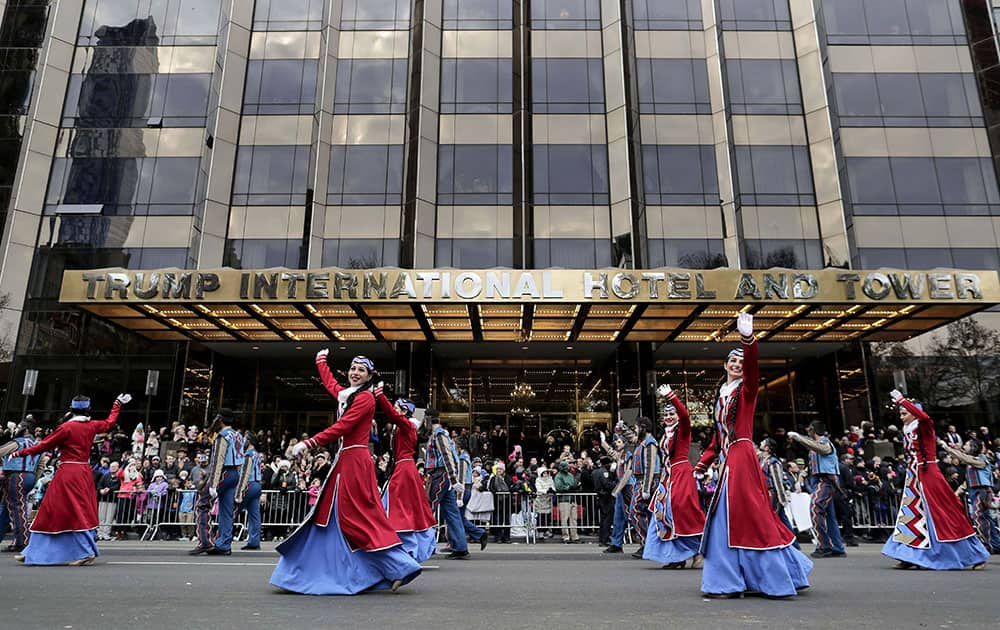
(405, 459)
(77, 463)
(347, 448)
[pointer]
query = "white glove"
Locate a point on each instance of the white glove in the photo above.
(459, 492)
(700, 476)
(645, 496)
(321, 355)
(213, 492)
(299, 449)
(744, 324)
(604, 437)
(793, 434)
(124, 399)
(664, 391)
(896, 396)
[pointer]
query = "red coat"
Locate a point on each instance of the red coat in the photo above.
(950, 520)
(70, 503)
(351, 481)
(409, 507)
(752, 522)
(689, 518)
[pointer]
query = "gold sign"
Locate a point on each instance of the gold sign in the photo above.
(501, 285)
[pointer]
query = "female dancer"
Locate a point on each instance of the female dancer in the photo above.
(64, 530)
(678, 520)
(346, 545)
(405, 500)
(932, 529)
(746, 547)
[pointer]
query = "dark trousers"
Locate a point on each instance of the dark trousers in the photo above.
(606, 511)
(845, 516)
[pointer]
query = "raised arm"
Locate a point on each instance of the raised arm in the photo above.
(52, 442)
(382, 404)
(751, 370)
(684, 425)
(361, 411)
(823, 448)
(903, 401)
(325, 375)
(962, 456)
(103, 426)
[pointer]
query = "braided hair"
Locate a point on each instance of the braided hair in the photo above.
(920, 443)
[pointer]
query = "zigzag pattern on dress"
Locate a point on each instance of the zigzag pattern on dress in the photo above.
(911, 524)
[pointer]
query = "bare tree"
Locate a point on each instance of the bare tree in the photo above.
(967, 365)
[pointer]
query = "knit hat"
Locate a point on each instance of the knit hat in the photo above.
(159, 473)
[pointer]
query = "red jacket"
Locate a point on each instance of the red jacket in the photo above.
(409, 508)
(70, 503)
(689, 519)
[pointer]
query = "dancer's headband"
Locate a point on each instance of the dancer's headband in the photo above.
(82, 403)
(735, 352)
(365, 361)
(403, 403)
(669, 409)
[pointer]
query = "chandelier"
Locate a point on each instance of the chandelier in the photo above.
(522, 391)
(520, 411)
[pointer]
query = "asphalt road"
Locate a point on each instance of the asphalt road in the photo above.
(156, 585)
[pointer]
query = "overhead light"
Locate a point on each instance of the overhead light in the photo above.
(569, 347)
(343, 347)
(255, 347)
(298, 347)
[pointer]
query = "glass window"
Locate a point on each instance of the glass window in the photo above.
(366, 175)
(928, 258)
(489, 15)
(361, 253)
(763, 86)
(870, 181)
(894, 22)
(879, 257)
(687, 253)
(975, 258)
(374, 15)
(470, 174)
(570, 174)
(145, 23)
(567, 86)
(473, 253)
(915, 181)
(966, 181)
(774, 176)
(370, 86)
(271, 176)
(656, 15)
(471, 86)
(565, 14)
(919, 186)
(572, 253)
(123, 186)
(680, 175)
(907, 100)
(673, 86)
(137, 100)
(280, 86)
(24, 24)
(288, 15)
(788, 254)
(264, 253)
(755, 15)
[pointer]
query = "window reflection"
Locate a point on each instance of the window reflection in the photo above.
(894, 22)
(922, 185)
(283, 86)
(784, 253)
(122, 186)
(755, 15)
(473, 253)
(656, 15)
(680, 175)
(475, 174)
(374, 15)
(565, 14)
(263, 253)
(567, 86)
(687, 253)
(673, 86)
(288, 15)
(570, 174)
(366, 174)
(473, 86)
(271, 176)
(763, 86)
(774, 176)
(573, 253)
(371, 86)
(907, 100)
(361, 253)
(491, 15)
(174, 22)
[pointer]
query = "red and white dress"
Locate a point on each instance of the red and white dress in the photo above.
(63, 529)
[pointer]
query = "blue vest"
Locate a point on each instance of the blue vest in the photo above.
(824, 464)
(234, 450)
(466, 461)
(254, 456)
(21, 464)
(979, 478)
(435, 459)
(637, 457)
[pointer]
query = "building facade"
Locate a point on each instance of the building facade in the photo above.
(479, 134)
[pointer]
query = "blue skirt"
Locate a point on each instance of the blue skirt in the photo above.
(776, 572)
(60, 548)
(317, 561)
(668, 551)
(940, 556)
(420, 545)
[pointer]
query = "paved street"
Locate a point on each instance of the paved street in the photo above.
(155, 585)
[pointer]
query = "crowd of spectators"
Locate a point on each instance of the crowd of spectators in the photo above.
(152, 475)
